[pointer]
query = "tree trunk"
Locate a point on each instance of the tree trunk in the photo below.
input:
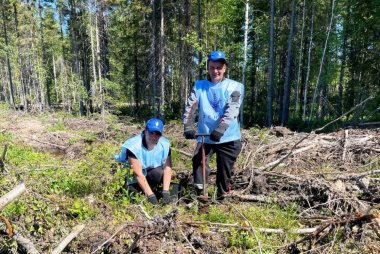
(154, 60)
(245, 56)
(322, 61)
(339, 109)
(10, 82)
(246, 23)
(101, 51)
(136, 74)
(186, 55)
(285, 109)
(199, 29)
(162, 62)
(300, 59)
(271, 65)
(252, 103)
(91, 23)
(308, 64)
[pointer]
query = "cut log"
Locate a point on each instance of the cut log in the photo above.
(12, 195)
(76, 230)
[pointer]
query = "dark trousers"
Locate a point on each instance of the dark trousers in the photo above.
(226, 154)
(154, 177)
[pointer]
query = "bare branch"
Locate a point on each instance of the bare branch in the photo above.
(74, 233)
(12, 195)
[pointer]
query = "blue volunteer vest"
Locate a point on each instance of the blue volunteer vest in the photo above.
(212, 99)
(148, 159)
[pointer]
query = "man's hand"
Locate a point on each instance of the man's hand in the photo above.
(189, 134)
(152, 199)
(166, 199)
(216, 135)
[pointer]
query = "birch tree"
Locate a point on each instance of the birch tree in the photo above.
(286, 97)
(322, 60)
(162, 60)
(271, 65)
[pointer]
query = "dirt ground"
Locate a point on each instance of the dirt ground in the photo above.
(327, 173)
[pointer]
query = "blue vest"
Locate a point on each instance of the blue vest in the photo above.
(148, 159)
(212, 99)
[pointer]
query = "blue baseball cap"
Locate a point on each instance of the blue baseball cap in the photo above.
(217, 55)
(154, 124)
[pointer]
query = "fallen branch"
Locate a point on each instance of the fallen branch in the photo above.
(358, 176)
(275, 163)
(74, 233)
(122, 227)
(12, 195)
(26, 243)
(260, 198)
(144, 212)
(182, 152)
(347, 220)
(188, 242)
(2, 159)
(337, 119)
(251, 227)
(299, 231)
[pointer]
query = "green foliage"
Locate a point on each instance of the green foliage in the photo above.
(272, 216)
(82, 210)
(15, 209)
(261, 133)
(4, 107)
(242, 239)
(24, 156)
(58, 126)
(5, 137)
(216, 214)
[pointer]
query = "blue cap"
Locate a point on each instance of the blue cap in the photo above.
(154, 124)
(217, 55)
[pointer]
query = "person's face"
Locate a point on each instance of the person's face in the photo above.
(216, 71)
(152, 137)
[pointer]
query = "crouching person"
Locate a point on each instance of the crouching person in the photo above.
(149, 156)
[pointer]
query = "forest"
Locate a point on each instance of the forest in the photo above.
(77, 78)
(302, 62)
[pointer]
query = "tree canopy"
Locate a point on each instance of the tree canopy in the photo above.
(141, 58)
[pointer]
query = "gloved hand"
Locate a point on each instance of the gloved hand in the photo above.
(216, 135)
(166, 199)
(189, 134)
(152, 199)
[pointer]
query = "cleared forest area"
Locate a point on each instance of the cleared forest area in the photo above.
(293, 192)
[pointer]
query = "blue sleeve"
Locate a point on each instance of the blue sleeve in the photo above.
(122, 157)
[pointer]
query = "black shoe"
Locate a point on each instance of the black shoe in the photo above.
(220, 197)
(198, 192)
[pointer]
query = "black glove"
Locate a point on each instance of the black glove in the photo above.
(216, 135)
(218, 132)
(152, 199)
(166, 199)
(189, 134)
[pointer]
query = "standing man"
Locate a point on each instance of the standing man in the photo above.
(149, 156)
(218, 102)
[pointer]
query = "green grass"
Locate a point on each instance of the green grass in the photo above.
(58, 126)
(24, 156)
(5, 137)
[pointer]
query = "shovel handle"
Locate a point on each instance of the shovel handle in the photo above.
(203, 135)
